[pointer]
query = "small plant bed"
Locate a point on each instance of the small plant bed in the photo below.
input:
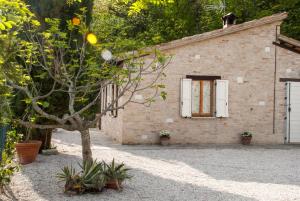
(93, 177)
(246, 138)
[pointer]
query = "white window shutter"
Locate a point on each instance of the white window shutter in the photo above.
(186, 98)
(222, 98)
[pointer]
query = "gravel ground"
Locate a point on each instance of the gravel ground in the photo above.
(169, 174)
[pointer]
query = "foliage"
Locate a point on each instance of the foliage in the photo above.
(92, 176)
(8, 166)
(246, 134)
(148, 22)
(115, 171)
(13, 14)
(5, 110)
(165, 133)
(89, 179)
(57, 74)
(158, 23)
(7, 169)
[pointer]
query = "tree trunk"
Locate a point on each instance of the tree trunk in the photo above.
(86, 145)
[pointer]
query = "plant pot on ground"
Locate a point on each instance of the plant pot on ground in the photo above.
(246, 138)
(164, 136)
(28, 150)
(115, 175)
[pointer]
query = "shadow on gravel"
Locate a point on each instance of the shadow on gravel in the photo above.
(142, 187)
(163, 174)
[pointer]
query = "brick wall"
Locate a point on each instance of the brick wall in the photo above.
(249, 54)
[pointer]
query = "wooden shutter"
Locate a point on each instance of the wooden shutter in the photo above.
(116, 94)
(109, 94)
(222, 98)
(186, 97)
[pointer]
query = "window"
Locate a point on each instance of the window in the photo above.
(204, 96)
(109, 94)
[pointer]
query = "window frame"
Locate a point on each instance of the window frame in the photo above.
(212, 96)
(212, 80)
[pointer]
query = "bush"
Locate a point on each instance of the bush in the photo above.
(8, 166)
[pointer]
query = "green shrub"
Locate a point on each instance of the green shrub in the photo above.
(8, 166)
(115, 171)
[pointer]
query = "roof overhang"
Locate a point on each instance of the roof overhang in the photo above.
(288, 43)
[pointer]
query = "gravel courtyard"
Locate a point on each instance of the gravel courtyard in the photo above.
(169, 174)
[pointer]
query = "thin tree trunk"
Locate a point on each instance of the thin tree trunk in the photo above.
(86, 145)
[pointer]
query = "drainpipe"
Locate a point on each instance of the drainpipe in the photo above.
(275, 77)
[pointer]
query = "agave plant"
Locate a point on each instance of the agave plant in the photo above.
(115, 174)
(93, 175)
(90, 179)
(72, 179)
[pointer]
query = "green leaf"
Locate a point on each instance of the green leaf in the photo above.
(2, 27)
(163, 94)
(8, 24)
(45, 104)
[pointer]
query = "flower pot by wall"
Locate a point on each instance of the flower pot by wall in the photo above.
(246, 140)
(164, 141)
(27, 151)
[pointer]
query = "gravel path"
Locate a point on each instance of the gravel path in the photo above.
(169, 174)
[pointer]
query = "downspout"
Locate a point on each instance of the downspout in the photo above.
(275, 77)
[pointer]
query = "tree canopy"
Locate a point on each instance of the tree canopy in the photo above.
(57, 71)
(125, 24)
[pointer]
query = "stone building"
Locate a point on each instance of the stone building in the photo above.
(244, 77)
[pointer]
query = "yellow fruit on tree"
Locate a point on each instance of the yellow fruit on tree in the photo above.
(91, 38)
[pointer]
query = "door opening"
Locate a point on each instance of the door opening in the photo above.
(293, 112)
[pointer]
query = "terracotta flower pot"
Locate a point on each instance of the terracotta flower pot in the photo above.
(164, 141)
(114, 184)
(27, 151)
(246, 140)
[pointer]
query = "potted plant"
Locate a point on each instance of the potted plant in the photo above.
(246, 137)
(164, 136)
(27, 150)
(91, 178)
(115, 174)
